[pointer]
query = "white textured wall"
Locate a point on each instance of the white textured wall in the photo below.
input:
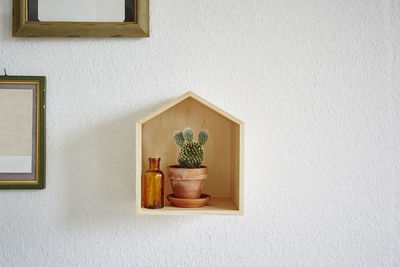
(317, 83)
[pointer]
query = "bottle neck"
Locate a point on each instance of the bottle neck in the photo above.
(154, 164)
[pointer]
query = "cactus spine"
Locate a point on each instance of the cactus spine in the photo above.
(192, 153)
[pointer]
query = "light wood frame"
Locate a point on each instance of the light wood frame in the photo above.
(40, 173)
(223, 153)
(22, 27)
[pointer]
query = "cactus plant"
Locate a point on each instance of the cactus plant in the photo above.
(192, 153)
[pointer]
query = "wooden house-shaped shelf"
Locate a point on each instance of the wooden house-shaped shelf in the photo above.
(223, 153)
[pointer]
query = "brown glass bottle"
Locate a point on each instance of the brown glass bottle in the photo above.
(154, 185)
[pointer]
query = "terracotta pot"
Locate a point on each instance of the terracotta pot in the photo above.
(187, 183)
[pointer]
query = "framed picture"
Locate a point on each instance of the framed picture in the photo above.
(22, 132)
(84, 18)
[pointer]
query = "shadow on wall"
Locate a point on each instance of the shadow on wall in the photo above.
(101, 170)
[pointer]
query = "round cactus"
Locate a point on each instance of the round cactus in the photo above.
(192, 153)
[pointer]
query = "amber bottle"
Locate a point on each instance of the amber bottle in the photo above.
(154, 185)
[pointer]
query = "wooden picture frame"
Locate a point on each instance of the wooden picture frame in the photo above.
(26, 24)
(30, 89)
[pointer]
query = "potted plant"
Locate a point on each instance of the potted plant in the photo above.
(187, 178)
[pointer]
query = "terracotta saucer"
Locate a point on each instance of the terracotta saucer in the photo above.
(189, 203)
